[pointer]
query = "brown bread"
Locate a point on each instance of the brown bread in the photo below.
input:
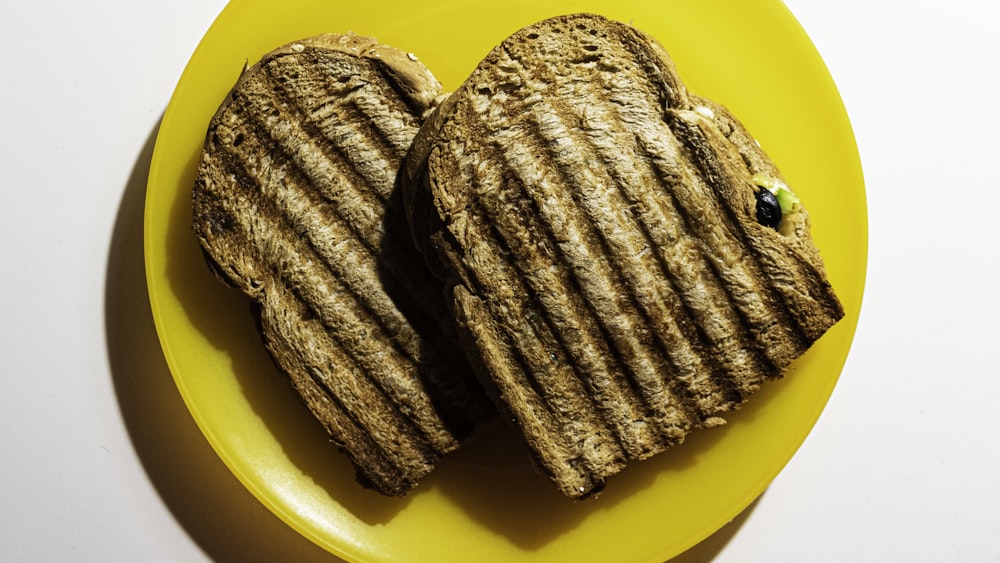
(295, 205)
(595, 224)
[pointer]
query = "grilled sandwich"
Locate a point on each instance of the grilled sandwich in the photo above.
(295, 204)
(624, 262)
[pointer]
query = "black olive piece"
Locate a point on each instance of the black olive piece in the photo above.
(768, 209)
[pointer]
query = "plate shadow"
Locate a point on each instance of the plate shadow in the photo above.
(213, 508)
(712, 546)
(228, 320)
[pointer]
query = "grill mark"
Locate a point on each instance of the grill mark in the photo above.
(327, 108)
(552, 376)
(524, 315)
(802, 283)
(740, 364)
(502, 358)
(379, 468)
(342, 317)
(379, 116)
(640, 365)
(605, 287)
(794, 291)
(362, 145)
(795, 280)
(715, 334)
(341, 195)
(793, 274)
(642, 361)
(749, 349)
(297, 376)
(697, 314)
(668, 93)
(617, 85)
(363, 269)
(512, 301)
(385, 429)
(330, 236)
(355, 266)
(580, 341)
(778, 329)
(648, 280)
(354, 197)
(340, 424)
(509, 301)
(386, 110)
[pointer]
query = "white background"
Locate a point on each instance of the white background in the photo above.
(99, 461)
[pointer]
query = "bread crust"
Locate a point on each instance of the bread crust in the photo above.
(295, 204)
(594, 224)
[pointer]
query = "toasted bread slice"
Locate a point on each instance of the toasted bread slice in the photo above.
(295, 205)
(596, 225)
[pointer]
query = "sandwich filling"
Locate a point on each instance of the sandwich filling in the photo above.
(775, 201)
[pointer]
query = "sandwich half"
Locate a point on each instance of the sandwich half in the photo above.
(624, 262)
(295, 204)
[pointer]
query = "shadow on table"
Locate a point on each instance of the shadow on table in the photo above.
(212, 506)
(215, 510)
(712, 546)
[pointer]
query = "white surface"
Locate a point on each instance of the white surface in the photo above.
(100, 461)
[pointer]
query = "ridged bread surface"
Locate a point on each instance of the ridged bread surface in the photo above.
(595, 223)
(295, 204)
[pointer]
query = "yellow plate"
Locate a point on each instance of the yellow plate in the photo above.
(485, 503)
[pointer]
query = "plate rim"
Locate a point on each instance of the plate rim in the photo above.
(290, 517)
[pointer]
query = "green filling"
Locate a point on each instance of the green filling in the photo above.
(787, 199)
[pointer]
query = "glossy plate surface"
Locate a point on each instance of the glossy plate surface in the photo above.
(485, 503)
